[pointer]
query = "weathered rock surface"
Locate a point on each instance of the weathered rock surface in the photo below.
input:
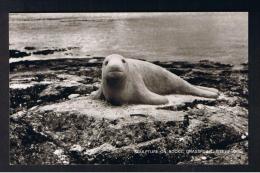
(54, 120)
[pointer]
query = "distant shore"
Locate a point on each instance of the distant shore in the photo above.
(30, 53)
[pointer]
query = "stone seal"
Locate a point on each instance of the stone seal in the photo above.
(131, 81)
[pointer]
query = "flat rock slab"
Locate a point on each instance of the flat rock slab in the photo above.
(101, 109)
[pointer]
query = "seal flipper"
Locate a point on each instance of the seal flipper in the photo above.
(209, 89)
(148, 97)
(199, 91)
(98, 94)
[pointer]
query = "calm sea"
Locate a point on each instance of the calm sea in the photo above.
(218, 36)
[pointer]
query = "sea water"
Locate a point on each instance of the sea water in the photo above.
(218, 36)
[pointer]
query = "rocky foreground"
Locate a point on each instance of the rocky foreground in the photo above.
(53, 120)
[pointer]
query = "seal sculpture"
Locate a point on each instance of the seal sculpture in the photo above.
(134, 81)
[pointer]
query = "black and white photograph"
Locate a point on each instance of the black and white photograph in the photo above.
(128, 88)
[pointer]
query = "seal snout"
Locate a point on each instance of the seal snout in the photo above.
(115, 68)
(115, 72)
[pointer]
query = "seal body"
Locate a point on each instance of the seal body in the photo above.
(134, 81)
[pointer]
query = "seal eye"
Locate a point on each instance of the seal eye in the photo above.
(123, 61)
(106, 62)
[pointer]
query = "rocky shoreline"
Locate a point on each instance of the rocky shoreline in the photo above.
(54, 121)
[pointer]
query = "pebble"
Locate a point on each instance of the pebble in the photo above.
(200, 106)
(58, 152)
(65, 162)
(243, 137)
(92, 60)
(73, 96)
(203, 158)
(76, 148)
(181, 139)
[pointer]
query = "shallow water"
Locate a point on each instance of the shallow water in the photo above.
(219, 37)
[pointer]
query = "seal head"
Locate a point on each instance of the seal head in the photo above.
(114, 71)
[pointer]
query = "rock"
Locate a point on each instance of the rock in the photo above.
(76, 148)
(59, 91)
(43, 52)
(58, 152)
(18, 54)
(47, 128)
(29, 48)
(243, 137)
(48, 51)
(102, 148)
(62, 158)
(200, 106)
(73, 96)
(18, 115)
(203, 158)
(86, 89)
(24, 95)
(70, 48)
(92, 60)
(20, 86)
(97, 121)
(101, 109)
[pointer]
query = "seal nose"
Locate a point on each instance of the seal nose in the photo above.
(114, 68)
